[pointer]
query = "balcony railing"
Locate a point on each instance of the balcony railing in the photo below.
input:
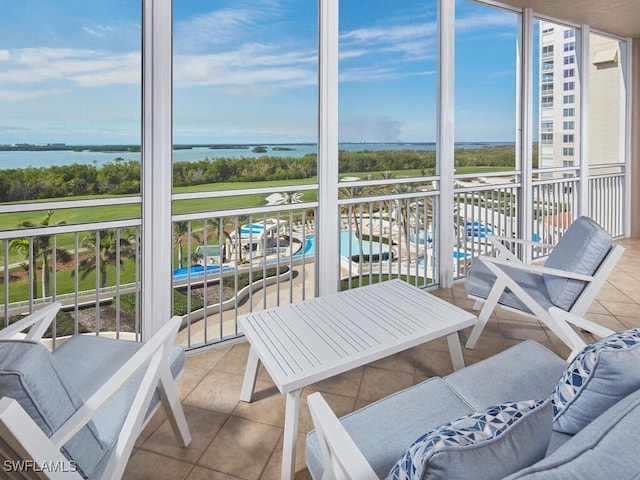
(234, 262)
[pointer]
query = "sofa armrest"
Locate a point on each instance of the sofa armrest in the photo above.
(342, 457)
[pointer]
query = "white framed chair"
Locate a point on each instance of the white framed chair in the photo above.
(77, 411)
(574, 272)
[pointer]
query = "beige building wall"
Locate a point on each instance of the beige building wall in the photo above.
(606, 101)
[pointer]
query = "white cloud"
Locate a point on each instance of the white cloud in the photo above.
(99, 31)
(225, 25)
(17, 95)
(87, 68)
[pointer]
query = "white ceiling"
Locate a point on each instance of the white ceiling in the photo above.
(619, 17)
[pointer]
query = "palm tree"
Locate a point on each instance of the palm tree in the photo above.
(352, 193)
(104, 250)
(42, 250)
(180, 234)
(287, 198)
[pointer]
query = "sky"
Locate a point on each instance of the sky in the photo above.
(247, 71)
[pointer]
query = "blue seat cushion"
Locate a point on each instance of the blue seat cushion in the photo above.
(581, 249)
(110, 355)
(397, 419)
(28, 375)
(480, 281)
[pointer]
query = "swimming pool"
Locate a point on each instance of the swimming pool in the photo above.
(348, 246)
(197, 271)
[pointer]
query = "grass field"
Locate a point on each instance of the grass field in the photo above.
(66, 282)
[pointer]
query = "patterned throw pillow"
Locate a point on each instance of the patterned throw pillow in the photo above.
(480, 445)
(603, 373)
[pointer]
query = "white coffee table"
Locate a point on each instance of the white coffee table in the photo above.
(303, 343)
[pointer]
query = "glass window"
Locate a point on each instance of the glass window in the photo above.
(606, 101)
(485, 88)
(547, 65)
(387, 90)
(70, 101)
(547, 77)
(244, 98)
(558, 104)
(567, 151)
(547, 125)
(568, 125)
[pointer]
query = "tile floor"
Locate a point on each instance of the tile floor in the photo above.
(232, 439)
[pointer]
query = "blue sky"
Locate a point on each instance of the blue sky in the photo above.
(246, 71)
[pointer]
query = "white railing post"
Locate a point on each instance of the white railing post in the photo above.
(584, 62)
(445, 146)
(156, 165)
(327, 221)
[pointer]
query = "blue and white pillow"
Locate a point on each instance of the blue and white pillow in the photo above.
(603, 373)
(480, 445)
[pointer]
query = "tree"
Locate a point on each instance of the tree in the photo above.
(104, 248)
(42, 251)
(287, 198)
(180, 234)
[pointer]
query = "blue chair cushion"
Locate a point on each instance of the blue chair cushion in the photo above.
(599, 376)
(480, 281)
(28, 375)
(110, 354)
(481, 445)
(581, 249)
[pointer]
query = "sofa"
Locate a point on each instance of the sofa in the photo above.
(596, 436)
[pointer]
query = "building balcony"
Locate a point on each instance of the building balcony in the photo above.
(233, 439)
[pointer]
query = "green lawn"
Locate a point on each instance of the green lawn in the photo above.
(76, 216)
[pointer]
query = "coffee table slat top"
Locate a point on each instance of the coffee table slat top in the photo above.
(305, 342)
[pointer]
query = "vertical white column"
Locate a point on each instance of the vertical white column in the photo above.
(524, 119)
(584, 64)
(445, 146)
(156, 165)
(628, 95)
(327, 231)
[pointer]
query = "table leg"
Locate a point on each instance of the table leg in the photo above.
(290, 435)
(455, 350)
(250, 376)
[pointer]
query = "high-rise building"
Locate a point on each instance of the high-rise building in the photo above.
(561, 90)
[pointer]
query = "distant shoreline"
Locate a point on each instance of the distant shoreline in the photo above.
(214, 146)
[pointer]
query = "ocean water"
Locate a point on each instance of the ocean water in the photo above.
(37, 159)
